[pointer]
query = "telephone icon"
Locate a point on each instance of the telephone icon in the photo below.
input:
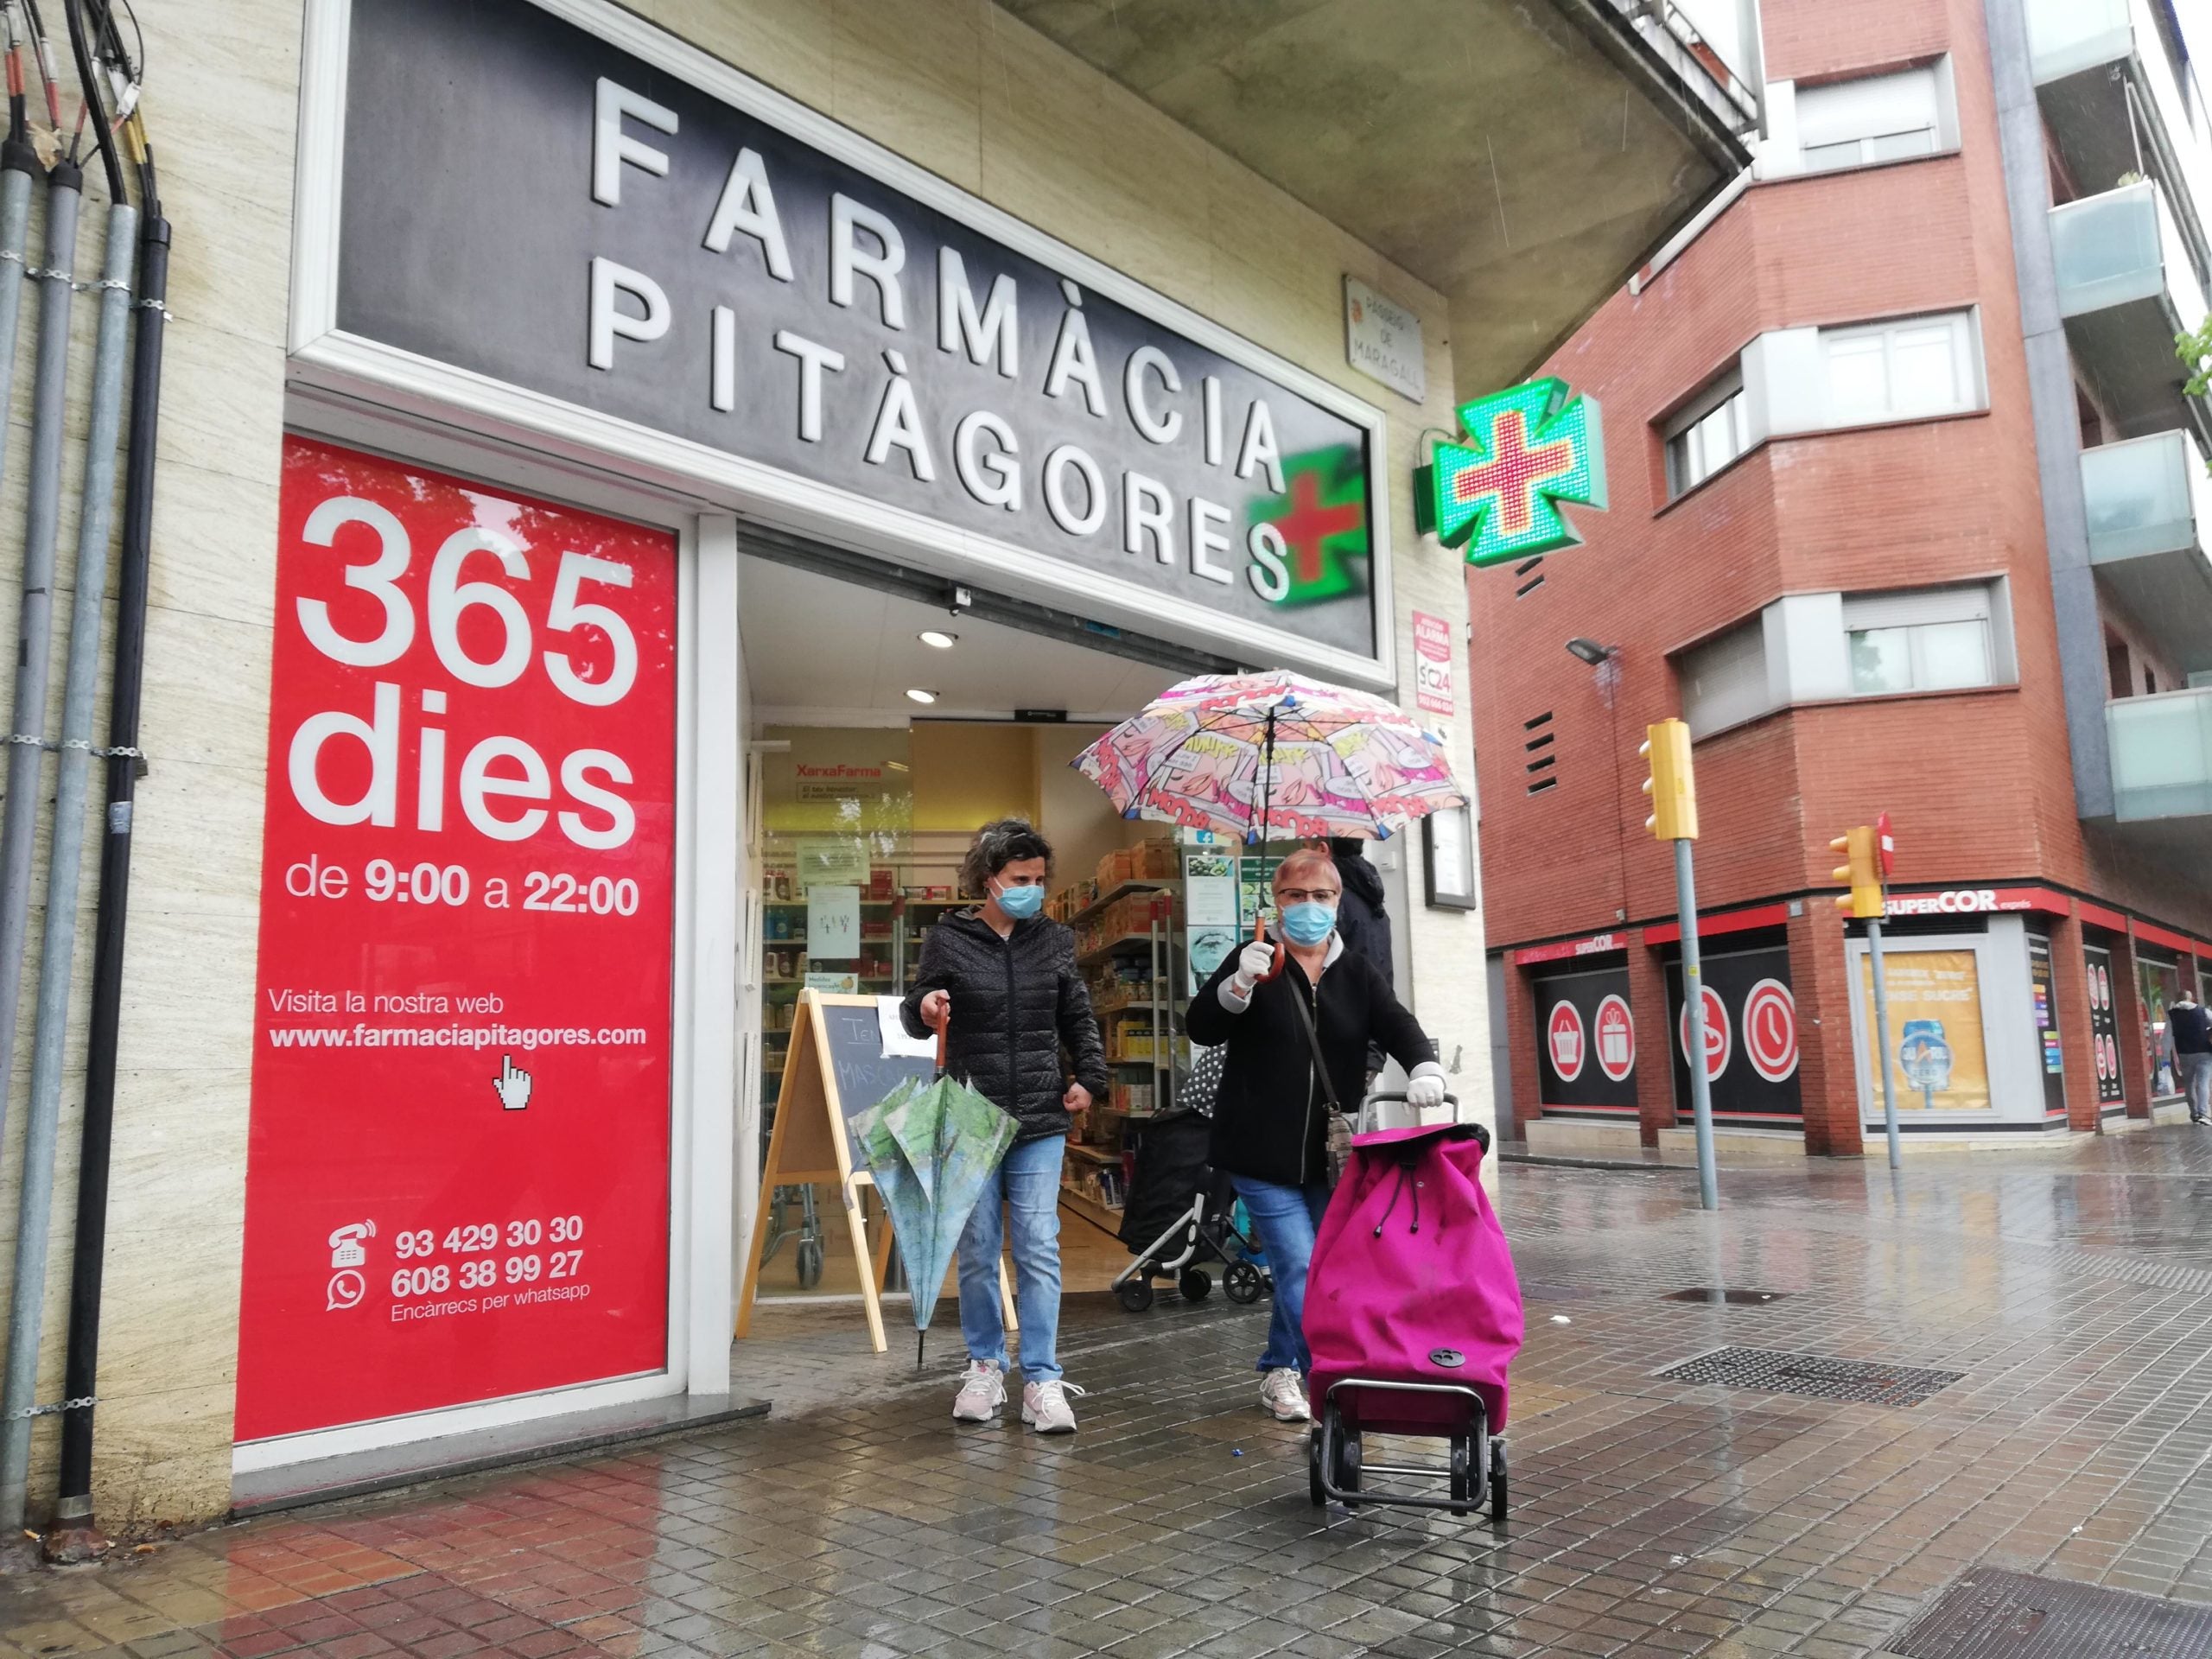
(345, 1250)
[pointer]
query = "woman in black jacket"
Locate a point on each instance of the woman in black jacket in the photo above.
(1004, 976)
(1271, 1114)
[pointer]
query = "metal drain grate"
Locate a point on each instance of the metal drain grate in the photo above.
(1817, 1375)
(1993, 1615)
(1713, 1295)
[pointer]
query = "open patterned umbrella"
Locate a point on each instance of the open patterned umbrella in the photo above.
(930, 1148)
(1272, 756)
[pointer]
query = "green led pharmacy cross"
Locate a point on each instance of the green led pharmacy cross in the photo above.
(1528, 449)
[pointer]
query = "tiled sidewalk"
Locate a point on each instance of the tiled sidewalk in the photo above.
(2073, 1289)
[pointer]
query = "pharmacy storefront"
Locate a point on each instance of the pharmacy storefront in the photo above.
(689, 509)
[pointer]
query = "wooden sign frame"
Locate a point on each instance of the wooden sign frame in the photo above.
(808, 1147)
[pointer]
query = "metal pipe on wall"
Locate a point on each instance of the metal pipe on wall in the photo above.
(75, 1536)
(27, 1300)
(42, 524)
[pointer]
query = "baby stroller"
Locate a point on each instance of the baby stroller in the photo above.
(1178, 1213)
(1413, 1315)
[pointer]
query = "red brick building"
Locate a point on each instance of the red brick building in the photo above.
(1905, 496)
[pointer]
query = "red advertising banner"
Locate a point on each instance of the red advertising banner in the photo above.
(457, 1182)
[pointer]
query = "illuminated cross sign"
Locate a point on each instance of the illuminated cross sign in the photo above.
(1528, 449)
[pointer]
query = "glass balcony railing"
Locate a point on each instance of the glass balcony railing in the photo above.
(2122, 246)
(2146, 496)
(2162, 754)
(2067, 36)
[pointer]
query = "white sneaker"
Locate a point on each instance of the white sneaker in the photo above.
(982, 1391)
(1282, 1396)
(1044, 1406)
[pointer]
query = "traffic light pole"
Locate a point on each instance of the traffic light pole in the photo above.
(1708, 1181)
(1882, 1040)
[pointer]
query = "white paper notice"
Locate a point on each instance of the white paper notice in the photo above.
(1210, 900)
(833, 924)
(896, 1043)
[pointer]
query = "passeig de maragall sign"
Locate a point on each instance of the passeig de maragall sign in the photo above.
(524, 199)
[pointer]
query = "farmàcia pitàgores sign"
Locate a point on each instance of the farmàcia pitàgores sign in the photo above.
(457, 1177)
(526, 200)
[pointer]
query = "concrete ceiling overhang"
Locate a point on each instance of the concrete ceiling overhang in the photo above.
(1522, 156)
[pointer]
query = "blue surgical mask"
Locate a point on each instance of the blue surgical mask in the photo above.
(1309, 923)
(1020, 903)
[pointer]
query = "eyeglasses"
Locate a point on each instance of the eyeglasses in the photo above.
(1307, 895)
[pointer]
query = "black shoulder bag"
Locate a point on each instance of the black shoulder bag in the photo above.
(1339, 1132)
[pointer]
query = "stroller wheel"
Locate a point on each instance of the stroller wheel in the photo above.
(1497, 1483)
(1135, 1295)
(1463, 1474)
(1243, 1283)
(1195, 1284)
(1313, 1447)
(810, 1263)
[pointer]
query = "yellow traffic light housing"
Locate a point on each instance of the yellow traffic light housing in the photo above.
(1861, 871)
(1672, 786)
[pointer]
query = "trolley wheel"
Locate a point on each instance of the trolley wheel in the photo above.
(1348, 1461)
(1135, 1295)
(810, 1263)
(1314, 1466)
(1243, 1283)
(1195, 1284)
(1497, 1483)
(1463, 1474)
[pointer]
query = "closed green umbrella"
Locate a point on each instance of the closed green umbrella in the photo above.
(931, 1149)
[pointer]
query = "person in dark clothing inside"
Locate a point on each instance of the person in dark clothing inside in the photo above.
(1001, 980)
(1362, 923)
(1361, 920)
(1271, 1114)
(2189, 1027)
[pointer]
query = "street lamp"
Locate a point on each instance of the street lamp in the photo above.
(1590, 650)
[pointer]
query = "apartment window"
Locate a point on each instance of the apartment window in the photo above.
(1900, 370)
(1714, 431)
(1724, 680)
(1936, 639)
(1876, 118)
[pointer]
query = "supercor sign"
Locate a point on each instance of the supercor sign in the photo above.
(681, 249)
(1974, 902)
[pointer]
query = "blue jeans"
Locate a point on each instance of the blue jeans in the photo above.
(2196, 1077)
(1027, 1182)
(1287, 1217)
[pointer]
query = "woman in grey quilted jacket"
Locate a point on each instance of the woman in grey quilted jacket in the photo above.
(1002, 977)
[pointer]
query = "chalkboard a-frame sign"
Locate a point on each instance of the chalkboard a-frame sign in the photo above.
(835, 1069)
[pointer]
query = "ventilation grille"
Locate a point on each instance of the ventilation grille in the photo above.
(1822, 1377)
(1542, 759)
(1529, 582)
(1990, 1614)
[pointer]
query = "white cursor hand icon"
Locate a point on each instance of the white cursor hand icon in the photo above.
(512, 1084)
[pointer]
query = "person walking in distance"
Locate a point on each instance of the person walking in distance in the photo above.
(1271, 1111)
(2189, 1028)
(1001, 980)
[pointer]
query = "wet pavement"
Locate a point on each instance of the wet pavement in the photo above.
(2071, 1289)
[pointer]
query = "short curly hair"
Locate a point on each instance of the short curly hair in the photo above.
(997, 844)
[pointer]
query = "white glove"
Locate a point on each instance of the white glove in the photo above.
(1253, 961)
(1425, 1092)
